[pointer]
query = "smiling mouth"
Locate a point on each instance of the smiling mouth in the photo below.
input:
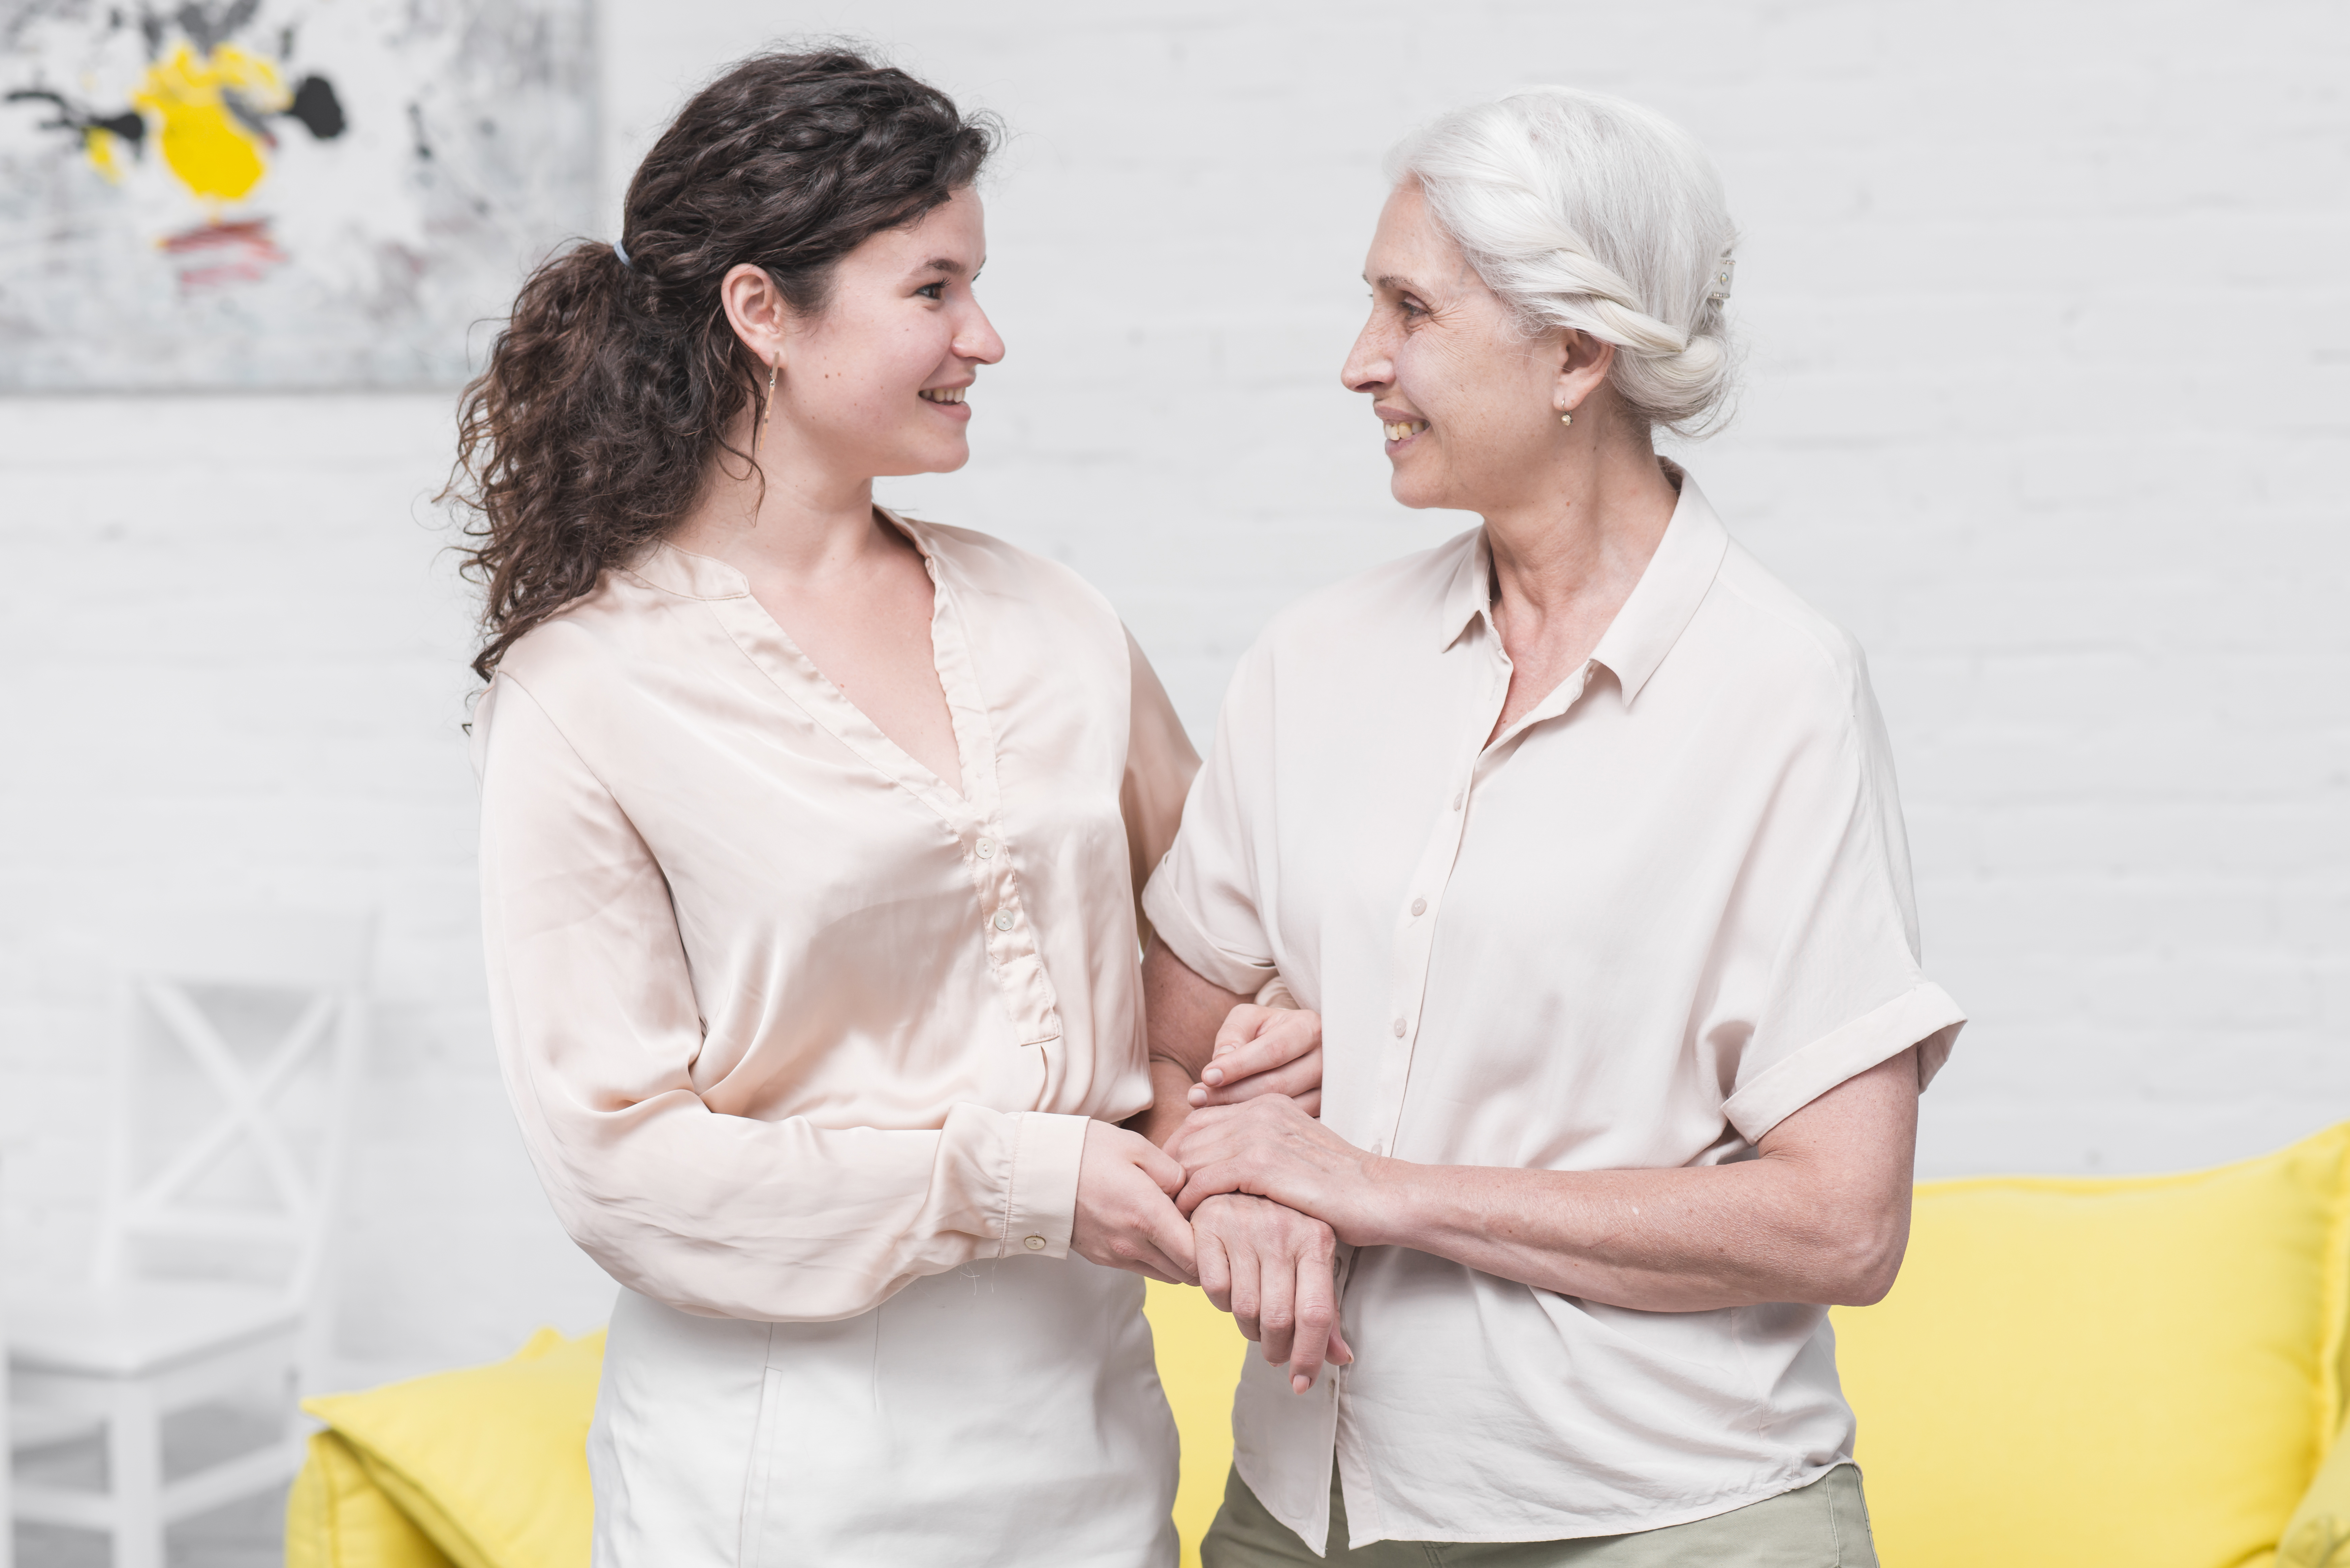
(1405, 430)
(942, 394)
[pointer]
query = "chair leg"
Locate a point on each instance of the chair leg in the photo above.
(134, 1478)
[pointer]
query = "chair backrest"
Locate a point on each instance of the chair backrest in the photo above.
(237, 1043)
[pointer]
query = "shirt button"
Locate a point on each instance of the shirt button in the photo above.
(986, 847)
(1378, 1147)
(1034, 1243)
(1399, 1028)
(1419, 905)
(1003, 919)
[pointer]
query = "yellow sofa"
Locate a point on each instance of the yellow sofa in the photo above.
(2141, 1372)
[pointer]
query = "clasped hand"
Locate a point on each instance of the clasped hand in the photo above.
(1126, 1219)
(1268, 1257)
(1270, 1266)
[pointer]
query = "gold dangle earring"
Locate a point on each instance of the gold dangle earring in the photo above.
(768, 417)
(1566, 418)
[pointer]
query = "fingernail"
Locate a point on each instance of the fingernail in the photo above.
(1212, 1076)
(1300, 1384)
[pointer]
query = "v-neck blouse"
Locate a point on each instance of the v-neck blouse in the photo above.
(787, 1023)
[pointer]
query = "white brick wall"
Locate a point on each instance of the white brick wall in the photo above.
(2050, 383)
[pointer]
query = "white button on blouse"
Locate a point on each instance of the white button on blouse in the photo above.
(1680, 911)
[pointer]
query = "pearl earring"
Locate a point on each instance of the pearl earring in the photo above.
(1567, 419)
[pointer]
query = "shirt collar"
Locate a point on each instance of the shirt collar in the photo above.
(1662, 603)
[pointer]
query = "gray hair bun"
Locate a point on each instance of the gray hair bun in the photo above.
(1587, 211)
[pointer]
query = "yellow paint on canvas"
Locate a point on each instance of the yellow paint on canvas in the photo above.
(215, 155)
(99, 142)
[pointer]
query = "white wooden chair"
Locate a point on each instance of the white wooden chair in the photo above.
(237, 1048)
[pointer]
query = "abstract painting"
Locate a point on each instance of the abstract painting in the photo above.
(279, 194)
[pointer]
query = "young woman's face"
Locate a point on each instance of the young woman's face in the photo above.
(874, 381)
(1465, 395)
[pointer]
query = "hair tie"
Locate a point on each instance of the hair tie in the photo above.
(621, 251)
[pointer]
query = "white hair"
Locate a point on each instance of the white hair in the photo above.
(1586, 211)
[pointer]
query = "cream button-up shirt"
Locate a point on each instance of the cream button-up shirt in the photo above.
(1667, 907)
(789, 1024)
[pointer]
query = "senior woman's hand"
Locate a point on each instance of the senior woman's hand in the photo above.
(1270, 1148)
(1264, 1051)
(1275, 1270)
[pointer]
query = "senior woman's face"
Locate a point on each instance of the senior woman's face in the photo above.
(1464, 395)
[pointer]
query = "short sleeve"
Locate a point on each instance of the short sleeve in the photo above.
(1826, 894)
(1205, 900)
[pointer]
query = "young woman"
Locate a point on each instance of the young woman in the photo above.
(810, 840)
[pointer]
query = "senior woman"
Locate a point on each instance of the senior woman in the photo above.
(1580, 833)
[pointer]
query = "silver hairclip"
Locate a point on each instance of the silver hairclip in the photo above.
(1721, 277)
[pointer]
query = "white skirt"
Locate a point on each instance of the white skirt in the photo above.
(1006, 1412)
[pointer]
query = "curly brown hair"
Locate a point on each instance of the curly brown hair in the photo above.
(611, 390)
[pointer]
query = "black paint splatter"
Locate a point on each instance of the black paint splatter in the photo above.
(318, 108)
(129, 125)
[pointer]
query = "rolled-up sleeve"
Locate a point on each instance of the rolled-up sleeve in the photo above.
(597, 1031)
(1829, 897)
(1204, 899)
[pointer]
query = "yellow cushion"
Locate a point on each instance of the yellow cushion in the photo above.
(2139, 1370)
(2318, 1535)
(337, 1518)
(489, 1462)
(1200, 1352)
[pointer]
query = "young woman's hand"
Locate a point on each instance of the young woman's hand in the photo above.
(1126, 1213)
(1264, 1051)
(1274, 1269)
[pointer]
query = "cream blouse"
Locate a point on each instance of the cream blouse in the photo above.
(788, 1023)
(1663, 911)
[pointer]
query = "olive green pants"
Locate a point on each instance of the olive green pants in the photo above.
(1823, 1525)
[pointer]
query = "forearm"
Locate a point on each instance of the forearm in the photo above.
(1170, 1086)
(1183, 1012)
(1657, 1240)
(785, 1222)
(1821, 1214)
